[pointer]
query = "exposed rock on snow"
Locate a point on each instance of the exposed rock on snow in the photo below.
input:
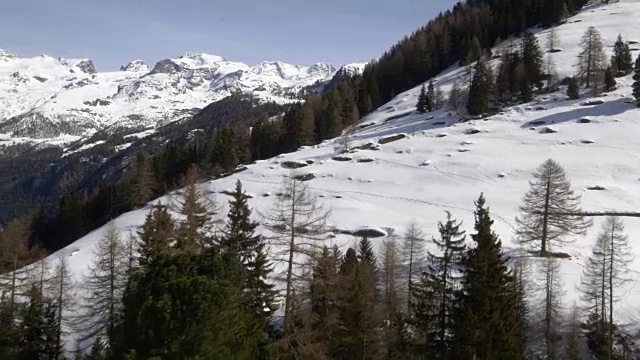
(389, 139)
(306, 177)
(549, 130)
(342, 158)
(592, 102)
(294, 164)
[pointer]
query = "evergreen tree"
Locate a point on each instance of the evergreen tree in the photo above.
(156, 234)
(621, 60)
(194, 229)
(609, 80)
(474, 51)
(38, 329)
(357, 300)
(241, 241)
(421, 106)
(487, 327)
(550, 210)
(573, 89)
(480, 91)
(532, 59)
(323, 296)
(636, 81)
(435, 296)
(431, 97)
(188, 306)
(551, 294)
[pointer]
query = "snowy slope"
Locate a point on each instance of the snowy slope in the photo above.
(45, 98)
(444, 164)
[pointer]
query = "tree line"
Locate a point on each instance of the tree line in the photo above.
(191, 284)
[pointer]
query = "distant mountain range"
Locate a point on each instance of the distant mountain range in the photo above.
(57, 100)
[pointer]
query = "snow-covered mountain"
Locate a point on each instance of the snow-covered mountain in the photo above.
(45, 97)
(407, 167)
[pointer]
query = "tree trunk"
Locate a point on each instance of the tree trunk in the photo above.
(545, 218)
(410, 279)
(287, 310)
(610, 344)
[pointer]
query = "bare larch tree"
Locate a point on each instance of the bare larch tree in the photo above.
(299, 224)
(545, 218)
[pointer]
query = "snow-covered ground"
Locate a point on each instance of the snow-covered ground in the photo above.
(443, 164)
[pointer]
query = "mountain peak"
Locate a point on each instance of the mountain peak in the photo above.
(136, 66)
(6, 55)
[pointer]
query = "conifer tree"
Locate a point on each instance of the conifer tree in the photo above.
(156, 235)
(487, 327)
(636, 81)
(480, 91)
(431, 97)
(194, 229)
(474, 51)
(413, 254)
(609, 80)
(455, 96)
(37, 328)
(551, 295)
(435, 296)
(605, 273)
(239, 239)
(15, 255)
(357, 303)
(621, 60)
(591, 60)
(323, 296)
(572, 350)
(103, 287)
(188, 306)
(550, 210)
(421, 106)
(299, 224)
(553, 41)
(61, 290)
(397, 337)
(142, 179)
(573, 89)
(532, 59)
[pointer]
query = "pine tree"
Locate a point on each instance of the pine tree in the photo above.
(480, 91)
(550, 210)
(573, 89)
(532, 59)
(636, 81)
(413, 254)
(188, 306)
(591, 60)
(609, 80)
(621, 60)
(435, 297)
(323, 296)
(240, 240)
(156, 235)
(103, 287)
(474, 51)
(299, 224)
(357, 302)
(421, 106)
(397, 338)
(431, 97)
(487, 327)
(194, 228)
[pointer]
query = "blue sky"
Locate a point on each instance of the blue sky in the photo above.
(113, 32)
